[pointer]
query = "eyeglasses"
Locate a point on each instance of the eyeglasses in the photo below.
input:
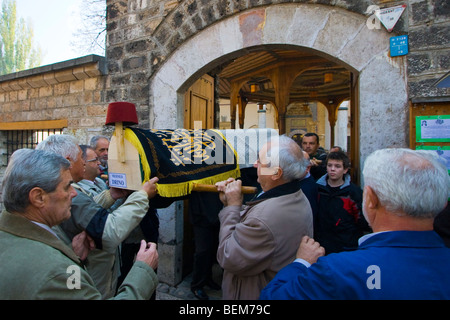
(263, 164)
(93, 160)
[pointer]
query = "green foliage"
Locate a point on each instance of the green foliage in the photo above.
(16, 42)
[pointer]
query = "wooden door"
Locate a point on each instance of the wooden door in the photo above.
(199, 104)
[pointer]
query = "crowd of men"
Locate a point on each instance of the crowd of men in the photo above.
(309, 234)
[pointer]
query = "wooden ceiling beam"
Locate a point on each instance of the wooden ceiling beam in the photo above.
(263, 70)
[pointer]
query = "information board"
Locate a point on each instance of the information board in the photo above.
(433, 128)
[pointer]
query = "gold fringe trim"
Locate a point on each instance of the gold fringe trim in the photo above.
(185, 188)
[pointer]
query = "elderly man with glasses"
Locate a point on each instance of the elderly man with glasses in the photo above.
(258, 239)
(91, 181)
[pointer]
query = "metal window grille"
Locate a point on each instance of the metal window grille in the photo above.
(29, 139)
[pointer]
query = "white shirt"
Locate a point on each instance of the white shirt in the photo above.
(46, 227)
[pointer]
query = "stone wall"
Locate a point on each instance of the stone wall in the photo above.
(71, 90)
(429, 57)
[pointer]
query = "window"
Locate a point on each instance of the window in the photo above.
(19, 135)
(19, 139)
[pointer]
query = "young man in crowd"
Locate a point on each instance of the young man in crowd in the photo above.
(340, 222)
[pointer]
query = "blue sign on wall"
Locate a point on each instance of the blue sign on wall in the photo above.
(399, 46)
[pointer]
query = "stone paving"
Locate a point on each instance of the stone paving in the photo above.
(183, 290)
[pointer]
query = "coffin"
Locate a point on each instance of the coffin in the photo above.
(183, 160)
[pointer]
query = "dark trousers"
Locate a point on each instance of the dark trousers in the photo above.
(127, 256)
(206, 242)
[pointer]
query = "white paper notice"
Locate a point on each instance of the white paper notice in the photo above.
(117, 180)
(435, 129)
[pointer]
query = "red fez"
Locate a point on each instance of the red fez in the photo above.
(121, 112)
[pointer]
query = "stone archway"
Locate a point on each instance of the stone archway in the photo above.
(335, 33)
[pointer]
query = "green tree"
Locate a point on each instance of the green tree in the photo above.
(16, 42)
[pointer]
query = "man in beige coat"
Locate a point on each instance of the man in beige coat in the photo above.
(260, 238)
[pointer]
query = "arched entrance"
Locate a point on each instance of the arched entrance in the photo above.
(378, 91)
(292, 80)
(378, 84)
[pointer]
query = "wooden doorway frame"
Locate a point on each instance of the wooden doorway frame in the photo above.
(201, 93)
(354, 129)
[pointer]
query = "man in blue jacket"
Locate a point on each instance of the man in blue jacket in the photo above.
(402, 259)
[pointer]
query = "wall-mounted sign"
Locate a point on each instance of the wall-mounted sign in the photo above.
(433, 128)
(390, 16)
(399, 46)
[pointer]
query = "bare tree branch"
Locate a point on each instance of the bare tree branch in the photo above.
(90, 37)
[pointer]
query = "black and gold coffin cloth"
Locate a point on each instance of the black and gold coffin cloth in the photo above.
(181, 158)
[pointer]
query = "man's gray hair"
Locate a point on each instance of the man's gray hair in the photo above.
(28, 169)
(63, 144)
(409, 182)
(289, 156)
(94, 140)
